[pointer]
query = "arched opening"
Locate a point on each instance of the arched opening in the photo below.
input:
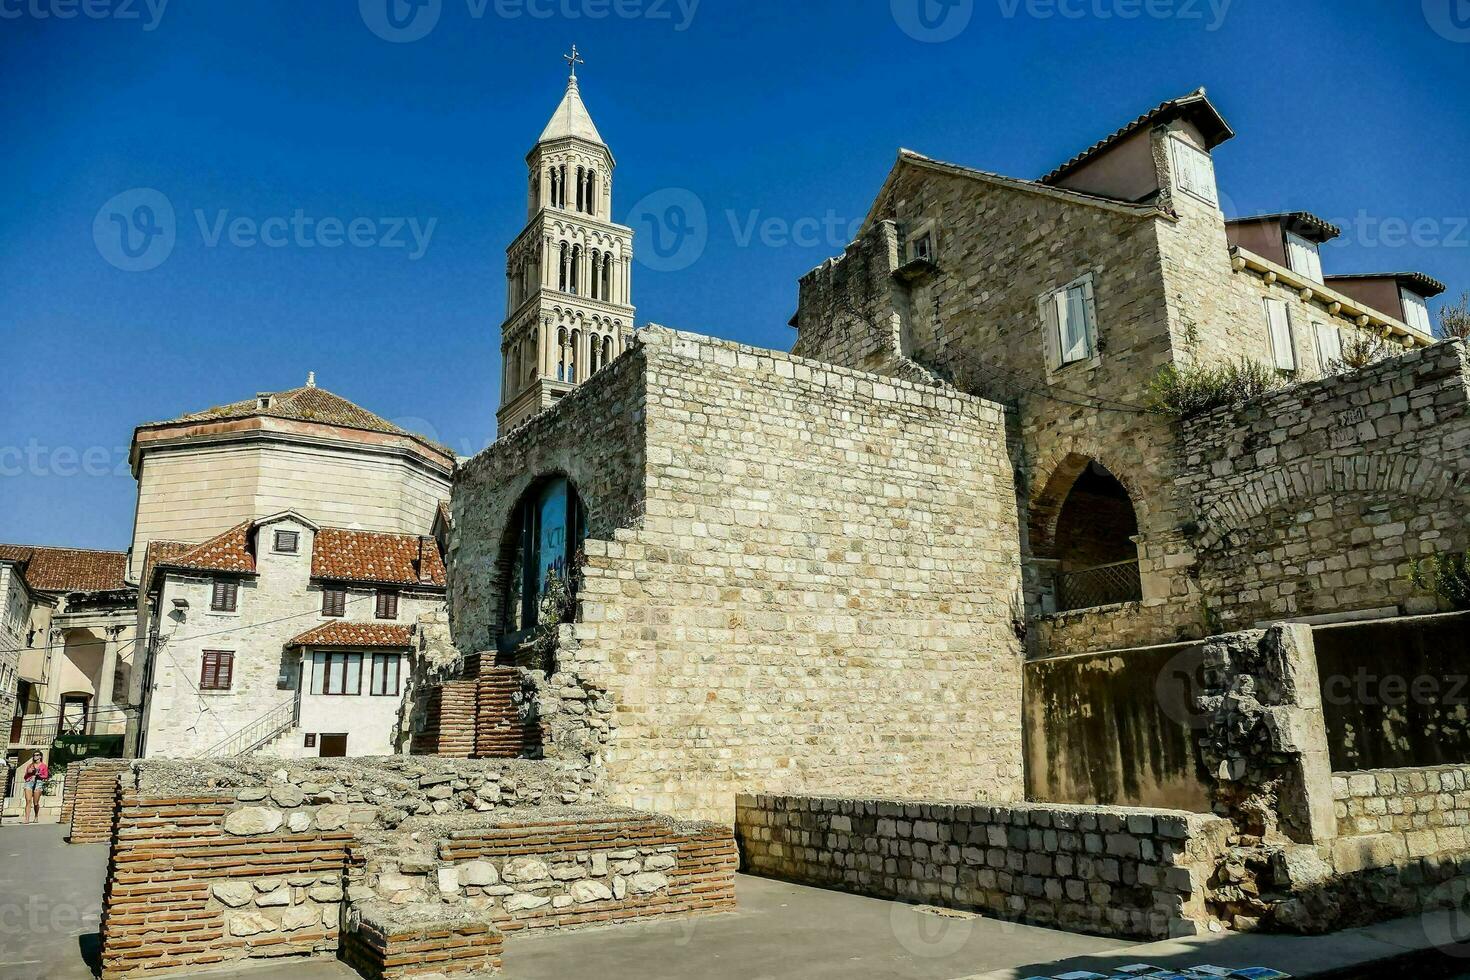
(561, 354)
(1093, 540)
(542, 544)
(606, 351)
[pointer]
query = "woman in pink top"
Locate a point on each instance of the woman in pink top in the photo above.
(35, 776)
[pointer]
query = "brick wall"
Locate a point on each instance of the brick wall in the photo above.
(383, 942)
(90, 799)
(832, 549)
(1315, 499)
(190, 888)
(501, 729)
(1113, 871)
(479, 711)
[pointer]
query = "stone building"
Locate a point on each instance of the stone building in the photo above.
(284, 637)
(1066, 297)
(569, 305)
(822, 572)
(267, 530)
(69, 617)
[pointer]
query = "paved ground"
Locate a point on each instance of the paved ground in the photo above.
(50, 895)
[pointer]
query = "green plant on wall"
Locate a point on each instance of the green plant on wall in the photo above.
(1185, 392)
(1447, 576)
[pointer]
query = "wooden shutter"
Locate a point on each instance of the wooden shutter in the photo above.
(387, 604)
(334, 602)
(1329, 347)
(1051, 331)
(226, 670)
(1278, 322)
(216, 670)
(225, 595)
(208, 671)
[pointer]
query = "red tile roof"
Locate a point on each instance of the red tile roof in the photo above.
(69, 569)
(160, 553)
(345, 634)
(305, 404)
(232, 551)
(368, 556)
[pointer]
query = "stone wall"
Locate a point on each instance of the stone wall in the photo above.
(1426, 811)
(90, 799)
(1315, 499)
(471, 708)
(384, 942)
(818, 594)
(1112, 871)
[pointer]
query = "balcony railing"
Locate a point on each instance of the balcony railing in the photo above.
(1104, 585)
(43, 729)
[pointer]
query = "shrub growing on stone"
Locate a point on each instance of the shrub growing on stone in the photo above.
(1190, 391)
(1447, 576)
(1454, 321)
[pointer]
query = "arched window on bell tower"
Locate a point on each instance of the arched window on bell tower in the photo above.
(572, 357)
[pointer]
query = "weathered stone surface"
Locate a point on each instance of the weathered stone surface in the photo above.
(647, 883)
(522, 902)
(253, 820)
(583, 892)
(251, 923)
(525, 870)
(233, 894)
(448, 879)
(333, 817)
(288, 795)
(275, 897)
(660, 862)
(301, 917)
(478, 873)
(298, 821)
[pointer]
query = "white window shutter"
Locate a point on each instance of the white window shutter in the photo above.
(1279, 323)
(1089, 300)
(1051, 331)
(1329, 347)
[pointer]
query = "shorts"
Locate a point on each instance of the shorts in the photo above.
(35, 784)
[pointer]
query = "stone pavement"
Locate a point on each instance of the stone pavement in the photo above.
(50, 901)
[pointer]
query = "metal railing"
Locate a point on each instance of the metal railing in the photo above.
(1104, 585)
(260, 731)
(45, 727)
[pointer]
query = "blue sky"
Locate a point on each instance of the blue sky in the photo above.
(780, 119)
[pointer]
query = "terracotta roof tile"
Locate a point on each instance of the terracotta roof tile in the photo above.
(345, 634)
(231, 551)
(69, 569)
(368, 556)
(305, 404)
(160, 552)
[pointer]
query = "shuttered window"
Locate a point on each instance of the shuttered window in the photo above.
(1329, 347)
(1304, 257)
(385, 675)
(287, 542)
(1278, 321)
(216, 670)
(1069, 323)
(1416, 312)
(1194, 171)
(226, 595)
(334, 602)
(387, 604)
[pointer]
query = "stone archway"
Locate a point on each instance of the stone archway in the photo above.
(1084, 528)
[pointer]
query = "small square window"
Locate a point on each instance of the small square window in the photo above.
(226, 596)
(310, 742)
(334, 602)
(287, 542)
(923, 247)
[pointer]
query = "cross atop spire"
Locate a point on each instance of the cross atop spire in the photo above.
(574, 59)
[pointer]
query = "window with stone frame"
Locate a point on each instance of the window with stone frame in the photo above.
(387, 604)
(216, 670)
(287, 542)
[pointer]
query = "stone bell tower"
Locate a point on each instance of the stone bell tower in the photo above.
(568, 290)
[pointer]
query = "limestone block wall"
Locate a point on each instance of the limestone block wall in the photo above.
(1427, 810)
(1315, 499)
(1112, 871)
(819, 593)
